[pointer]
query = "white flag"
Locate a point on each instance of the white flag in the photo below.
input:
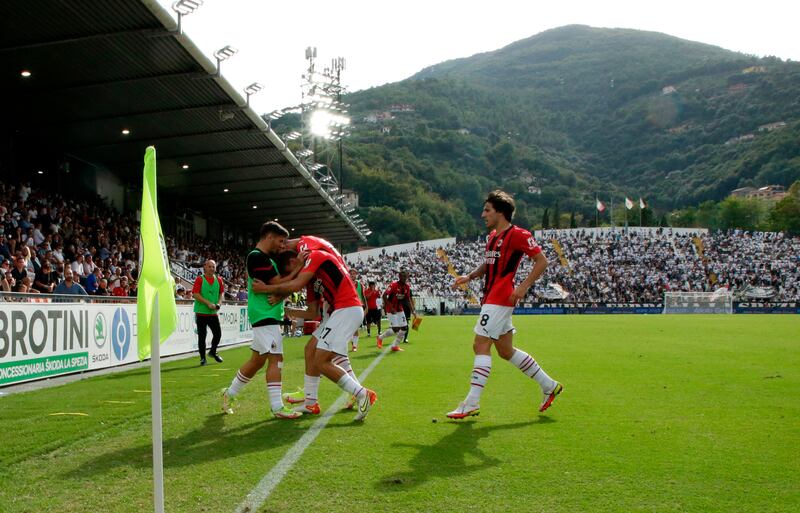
(628, 203)
(642, 204)
(600, 206)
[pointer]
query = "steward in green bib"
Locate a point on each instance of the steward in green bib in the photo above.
(207, 292)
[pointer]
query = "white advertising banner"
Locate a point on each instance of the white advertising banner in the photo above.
(39, 340)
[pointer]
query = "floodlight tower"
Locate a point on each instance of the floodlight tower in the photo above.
(324, 117)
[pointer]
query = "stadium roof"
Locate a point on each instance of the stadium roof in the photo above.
(100, 66)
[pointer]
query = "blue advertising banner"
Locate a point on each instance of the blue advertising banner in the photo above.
(581, 308)
(588, 308)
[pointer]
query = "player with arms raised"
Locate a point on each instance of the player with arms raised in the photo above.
(506, 246)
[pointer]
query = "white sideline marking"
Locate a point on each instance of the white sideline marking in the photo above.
(273, 478)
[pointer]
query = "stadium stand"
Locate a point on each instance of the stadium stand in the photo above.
(615, 266)
(87, 234)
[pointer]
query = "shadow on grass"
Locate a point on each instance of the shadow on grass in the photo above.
(454, 455)
(208, 442)
(145, 371)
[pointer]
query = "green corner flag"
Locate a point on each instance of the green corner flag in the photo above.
(154, 274)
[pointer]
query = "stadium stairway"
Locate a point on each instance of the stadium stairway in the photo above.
(560, 252)
(451, 270)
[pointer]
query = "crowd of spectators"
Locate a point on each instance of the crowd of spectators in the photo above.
(50, 244)
(615, 266)
(53, 245)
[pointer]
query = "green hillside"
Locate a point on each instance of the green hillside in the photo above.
(570, 114)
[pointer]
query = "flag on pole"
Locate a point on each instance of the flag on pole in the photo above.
(600, 206)
(154, 274)
(642, 204)
(628, 203)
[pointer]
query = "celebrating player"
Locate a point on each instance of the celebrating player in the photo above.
(266, 318)
(506, 246)
(334, 333)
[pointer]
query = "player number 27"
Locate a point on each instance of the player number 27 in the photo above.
(326, 332)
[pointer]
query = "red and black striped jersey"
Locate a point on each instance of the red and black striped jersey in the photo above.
(397, 295)
(504, 251)
(338, 288)
(312, 243)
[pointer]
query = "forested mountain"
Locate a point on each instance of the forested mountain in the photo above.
(563, 117)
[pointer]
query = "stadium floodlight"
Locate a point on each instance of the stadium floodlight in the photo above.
(326, 123)
(291, 136)
(252, 89)
(316, 166)
(305, 152)
(223, 54)
(184, 8)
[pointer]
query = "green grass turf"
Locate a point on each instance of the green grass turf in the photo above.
(659, 413)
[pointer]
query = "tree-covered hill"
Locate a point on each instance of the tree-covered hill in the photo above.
(566, 116)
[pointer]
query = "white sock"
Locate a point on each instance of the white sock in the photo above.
(343, 363)
(274, 391)
(355, 340)
(239, 381)
(386, 334)
(480, 375)
(311, 389)
(350, 386)
(530, 368)
(398, 338)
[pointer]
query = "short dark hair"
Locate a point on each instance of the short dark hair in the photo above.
(370, 283)
(273, 227)
(283, 260)
(502, 202)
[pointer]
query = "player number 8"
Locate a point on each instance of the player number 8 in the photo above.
(484, 319)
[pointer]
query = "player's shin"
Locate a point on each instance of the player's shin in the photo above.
(480, 376)
(525, 363)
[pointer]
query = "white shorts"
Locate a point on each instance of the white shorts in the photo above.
(397, 319)
(334, 333)
(494, 321)
(267, 339)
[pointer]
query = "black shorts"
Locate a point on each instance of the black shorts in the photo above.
(374, 316)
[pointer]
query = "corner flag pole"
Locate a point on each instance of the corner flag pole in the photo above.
(155, 400)
(156, 312)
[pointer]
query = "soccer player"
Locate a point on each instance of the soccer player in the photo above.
(333, 334)
(398, 294)
(506, 246)
(266, 318)
(360, 291)
(316, 307)
(373, 312)
(306, 243)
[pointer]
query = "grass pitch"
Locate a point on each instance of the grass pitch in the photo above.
(659, 413)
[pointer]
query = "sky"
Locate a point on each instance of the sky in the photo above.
(385, 42)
